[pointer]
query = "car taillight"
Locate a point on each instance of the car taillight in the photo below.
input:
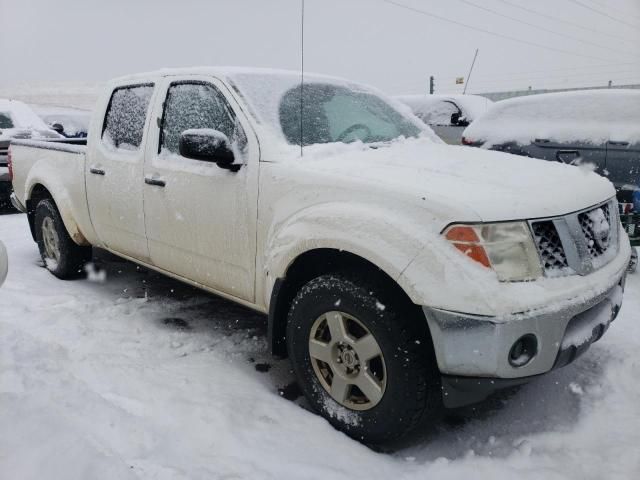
(10, 164)
(467, 141)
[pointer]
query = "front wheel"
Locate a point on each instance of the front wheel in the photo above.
(60, 254)
(364, 361)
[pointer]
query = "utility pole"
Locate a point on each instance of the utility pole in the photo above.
(466, 84)
(432, 85)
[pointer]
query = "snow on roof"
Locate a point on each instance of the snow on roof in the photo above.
(592, 116)
(472, 106)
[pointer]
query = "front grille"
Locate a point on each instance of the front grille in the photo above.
(596, 227)
(579, 242)
(549, 245)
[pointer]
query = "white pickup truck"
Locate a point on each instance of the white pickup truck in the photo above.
(399, 274)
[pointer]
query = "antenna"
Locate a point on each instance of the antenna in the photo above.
(470, 70)
(301, 73)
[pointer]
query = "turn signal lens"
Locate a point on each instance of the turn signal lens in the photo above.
(466, 240)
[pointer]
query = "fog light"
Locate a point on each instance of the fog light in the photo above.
(523, 350)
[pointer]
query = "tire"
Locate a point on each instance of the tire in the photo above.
(60, 254)
(408, 392)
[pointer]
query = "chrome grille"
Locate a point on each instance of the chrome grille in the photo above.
(549, 246)
(580, 242)
(597, 242)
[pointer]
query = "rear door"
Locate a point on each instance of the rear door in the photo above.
(114, 171)
(200, 218)
(623, 163)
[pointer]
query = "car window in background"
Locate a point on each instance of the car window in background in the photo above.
(5, 120)
(334, 113)
(197, 105)
(125, 118)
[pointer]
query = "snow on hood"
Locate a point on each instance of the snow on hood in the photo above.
(592, 116)
(26, 124)
(429, 107)
(496, 186)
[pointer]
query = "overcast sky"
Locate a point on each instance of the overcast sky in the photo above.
(391, 47)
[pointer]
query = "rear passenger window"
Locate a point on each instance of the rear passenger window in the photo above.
(126, 114)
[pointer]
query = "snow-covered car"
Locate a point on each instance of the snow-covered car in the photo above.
(17, 120)
(600, 127)
(398, 273)
(4, 263)
(447, 115)
(68, 122)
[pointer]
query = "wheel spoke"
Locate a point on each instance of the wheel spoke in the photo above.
(339, 388)
(320, 351)
(335, 322)
(369, 386)
(367, 348)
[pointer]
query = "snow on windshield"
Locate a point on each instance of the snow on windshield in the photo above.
(593, 116)
(275, 100)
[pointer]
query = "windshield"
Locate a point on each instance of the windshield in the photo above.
(333, 113)
(5, 120)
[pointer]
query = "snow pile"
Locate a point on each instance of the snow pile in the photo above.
(437, 109)
(591, 116)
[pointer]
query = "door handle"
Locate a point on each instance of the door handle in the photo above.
(97, 171)
(618, 144)
(567, 156)
(156, 182)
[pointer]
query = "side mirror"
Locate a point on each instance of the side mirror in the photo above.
(57, 127)
(208, 145)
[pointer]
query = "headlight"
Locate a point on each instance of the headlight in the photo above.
(507, 248)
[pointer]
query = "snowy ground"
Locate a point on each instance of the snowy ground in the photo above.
(141, 377)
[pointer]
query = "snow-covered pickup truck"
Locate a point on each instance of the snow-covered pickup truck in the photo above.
(398, 273)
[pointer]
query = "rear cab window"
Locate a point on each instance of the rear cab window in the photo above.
(124, 121)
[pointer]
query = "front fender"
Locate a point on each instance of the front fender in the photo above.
(388, 238)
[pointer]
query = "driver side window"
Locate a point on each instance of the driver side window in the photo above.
(197, 105)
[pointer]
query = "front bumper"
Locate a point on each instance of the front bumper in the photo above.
(473, 351)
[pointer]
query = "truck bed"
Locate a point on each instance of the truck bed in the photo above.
(60, 166)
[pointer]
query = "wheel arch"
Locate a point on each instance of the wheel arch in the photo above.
(311, 264)
(39, 192)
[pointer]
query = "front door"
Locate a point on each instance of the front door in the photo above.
(114, 170)
(200, 218)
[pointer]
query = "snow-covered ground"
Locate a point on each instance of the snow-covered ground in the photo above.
(138, 376)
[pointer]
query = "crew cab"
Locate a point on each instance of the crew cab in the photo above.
(398, 273)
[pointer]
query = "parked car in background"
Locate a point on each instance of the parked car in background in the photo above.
(597, 127)
(69, 122)
(600, 127)
(447, 115)
(17, 120)
(398, 273)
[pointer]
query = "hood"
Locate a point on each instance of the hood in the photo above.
(495, 186)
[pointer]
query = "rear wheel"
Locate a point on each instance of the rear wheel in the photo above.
(60, 254)
(363, 360)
